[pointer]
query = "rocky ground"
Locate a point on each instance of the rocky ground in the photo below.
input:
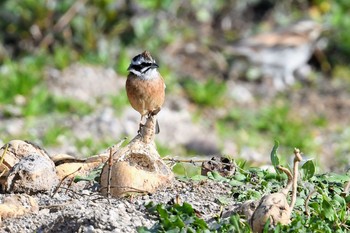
(87, 211)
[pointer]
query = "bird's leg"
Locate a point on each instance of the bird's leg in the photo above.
(140, 125)
(154, 112)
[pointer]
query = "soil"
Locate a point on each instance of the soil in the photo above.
(88, 211)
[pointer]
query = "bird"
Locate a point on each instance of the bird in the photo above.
(280, 53)
(145, 87)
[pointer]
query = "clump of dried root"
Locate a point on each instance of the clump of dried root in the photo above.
(274, 207)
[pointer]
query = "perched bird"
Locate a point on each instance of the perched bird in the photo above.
(145, 86)
(279, 54)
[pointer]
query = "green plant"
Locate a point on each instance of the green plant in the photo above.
(321, 205)
(93, 176)
(51, 135)
(19, 78)
(183, 218)
(210, 93)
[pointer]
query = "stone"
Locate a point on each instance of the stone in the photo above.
(34, 173)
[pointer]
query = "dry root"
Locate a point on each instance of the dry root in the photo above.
(274, 207)
(137, 167)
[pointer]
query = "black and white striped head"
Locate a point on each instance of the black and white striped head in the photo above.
(142, 64)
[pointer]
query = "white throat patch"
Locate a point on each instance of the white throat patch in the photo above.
(150, 74)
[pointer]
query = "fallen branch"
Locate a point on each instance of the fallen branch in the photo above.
(63, 179)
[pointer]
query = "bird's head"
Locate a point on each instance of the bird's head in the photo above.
(142, 64)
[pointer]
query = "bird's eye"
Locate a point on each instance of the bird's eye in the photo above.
(146, 64)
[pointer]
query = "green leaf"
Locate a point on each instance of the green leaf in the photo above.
(309, 169)
(235, 183)
(234, 220)
(143, 230)
(333, 177)
(240, 177)
(199, 177)
(178, 222)
(187, 208)
(270, 176)
(341, 200)
(162, 212)
(214, 175)
(274, 157)
(223, 200)
(266, 226)
(327, 208)
(347, 199)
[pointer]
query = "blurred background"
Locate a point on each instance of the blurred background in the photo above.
(63, 70)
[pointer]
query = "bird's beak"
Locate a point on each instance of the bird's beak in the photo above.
(129, 68)
(154, 65)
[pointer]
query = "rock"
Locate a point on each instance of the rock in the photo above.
(16, 205)
(69, 165)
(15, 150)
(32, 174)
(274, 207)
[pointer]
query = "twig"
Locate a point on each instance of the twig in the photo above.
(346, 189)
(187, 160)
(70, 183)
(307, 212)
(2, 160)
(290, 179)
(297, 159)
(110, 165)
(55, 205)
(109, 176)
(65, 177)
(136, 190)
(83, 194)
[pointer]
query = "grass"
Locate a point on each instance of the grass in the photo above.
(53, 133)
(19, 78)
(253, 127)
(209, 93)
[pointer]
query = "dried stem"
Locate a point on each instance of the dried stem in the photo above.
(186, 160)
(290, 179)
(135, 190)
(346, 189)
(297, 159)
(2, 160)
(110, 164)
(63, 179)
(307, 212)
